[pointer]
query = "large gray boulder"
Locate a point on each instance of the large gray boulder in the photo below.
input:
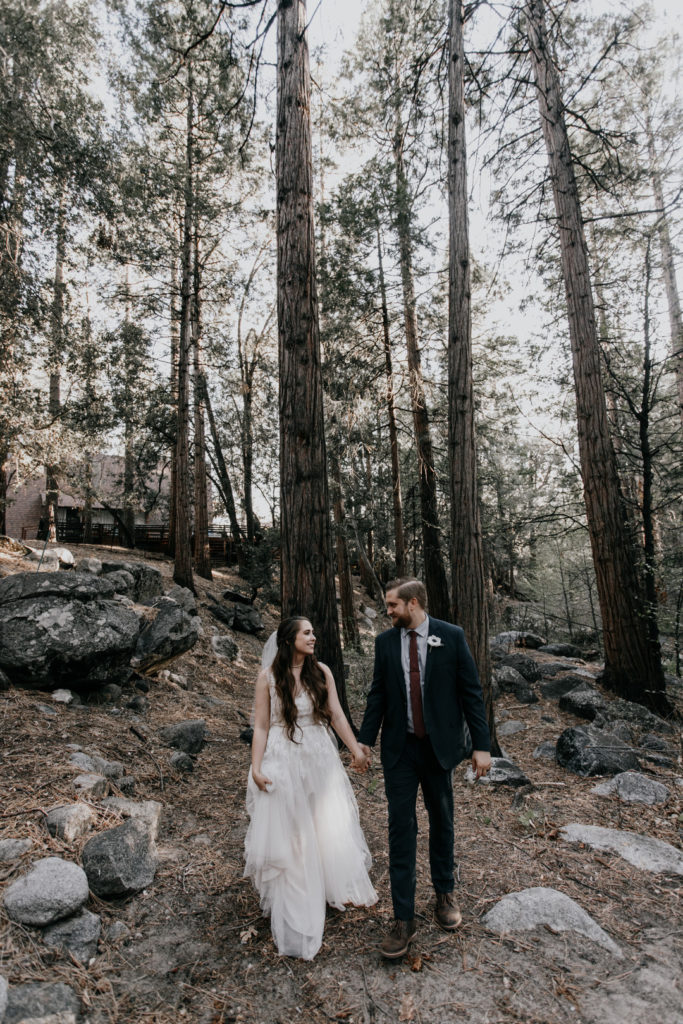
(531, 908)
(584, 701)
(61, 629)
(37, 1000)
(148, 581)
(172, 632)
(52, 889)
(643, 852)
(78, 934)
(559, 685)
(586, 750)
(122, 860)
(562, 650)
(636, 715)
(634, 788)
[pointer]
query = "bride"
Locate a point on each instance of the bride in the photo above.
(304, 846)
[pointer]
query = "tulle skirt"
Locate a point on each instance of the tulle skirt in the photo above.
(304, 847)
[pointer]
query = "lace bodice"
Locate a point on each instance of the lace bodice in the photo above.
(304, 708)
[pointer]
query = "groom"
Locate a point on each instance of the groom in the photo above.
(424, 681)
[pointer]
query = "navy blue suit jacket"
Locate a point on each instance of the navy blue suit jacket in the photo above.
(452, 696)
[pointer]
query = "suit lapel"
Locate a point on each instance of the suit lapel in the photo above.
(432, 655)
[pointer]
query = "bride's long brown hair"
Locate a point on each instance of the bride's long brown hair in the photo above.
(312, 677)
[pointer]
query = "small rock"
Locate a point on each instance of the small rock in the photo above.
(40, 1002)
(110, 693)
(139, 704)
(552, 668)
(66, 697)
(52, 889)
(117, 930)
(521, 911)
(584, 701)
(122, 860)
(247, 620)
(69, 821)
(620, 730)
(510, 728)
(182, 762)
(508, 678)
(503, 772)
(634, 788)
(525, 665)
(123, 582)
(127, 784)
(78, 934)
(518, 638)
(651, 741)
(247, 734)
(545, 750)
(93, 565)
(172, 632)
(95, 764)
(142, 684)
(369, 613)
(232, 594)
(189, 736)
(13, 849)
(91, 787)
(559, 685)
(642, 851)
(47, 710)
(224, 647)
(562, 650)
(147, 811)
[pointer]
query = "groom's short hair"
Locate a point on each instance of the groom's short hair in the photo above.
(409, 588)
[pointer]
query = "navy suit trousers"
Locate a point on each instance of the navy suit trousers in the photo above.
(418, 766)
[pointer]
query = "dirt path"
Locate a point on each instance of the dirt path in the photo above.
(197, 949)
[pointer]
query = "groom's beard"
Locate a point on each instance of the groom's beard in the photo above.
(401, 621)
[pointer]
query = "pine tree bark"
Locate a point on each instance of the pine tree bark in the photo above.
(202, 548)
(56, 357)
(224, 482)
(175, 341)
(182, 566)
(308, 584)
(633, 666)
(397, 500)
(668, 270)
(470, 605)
(349, 621)
(435, 573)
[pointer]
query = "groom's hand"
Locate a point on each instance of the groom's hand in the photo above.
(481, 762)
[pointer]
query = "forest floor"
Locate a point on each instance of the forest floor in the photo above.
(198, 949)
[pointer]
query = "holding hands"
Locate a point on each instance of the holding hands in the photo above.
(362, 758)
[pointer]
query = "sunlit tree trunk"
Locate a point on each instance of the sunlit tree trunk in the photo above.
(175, 339)
(182, 568)
(308, 584)
(470, 606)
(202, 549)
(397, 500)
(56, 358)
(632, 660)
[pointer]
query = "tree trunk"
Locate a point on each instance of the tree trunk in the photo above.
(221, 466)
(129, 424)
(308, 585)
(399, 537)
(182, 567)
(668, 269)
(348, 614)
(88, 500)
(175, 338)
(435, 573)
(632, 662)
(202, 548)
(56, 358)
(470, 606)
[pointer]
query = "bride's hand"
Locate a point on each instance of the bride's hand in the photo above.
(361, 760)
(261, 780)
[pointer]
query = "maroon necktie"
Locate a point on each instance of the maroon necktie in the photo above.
(415, 688)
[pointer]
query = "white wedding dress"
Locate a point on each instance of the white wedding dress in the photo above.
(304, 847)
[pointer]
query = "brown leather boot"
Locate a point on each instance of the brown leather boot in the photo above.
(395, 943)
(447, 912)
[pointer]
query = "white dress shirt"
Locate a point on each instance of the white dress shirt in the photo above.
(422, 633)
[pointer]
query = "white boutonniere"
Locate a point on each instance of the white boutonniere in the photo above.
(434, 641)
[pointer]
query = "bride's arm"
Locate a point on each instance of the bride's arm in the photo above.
(341, 725)
(261, 727)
